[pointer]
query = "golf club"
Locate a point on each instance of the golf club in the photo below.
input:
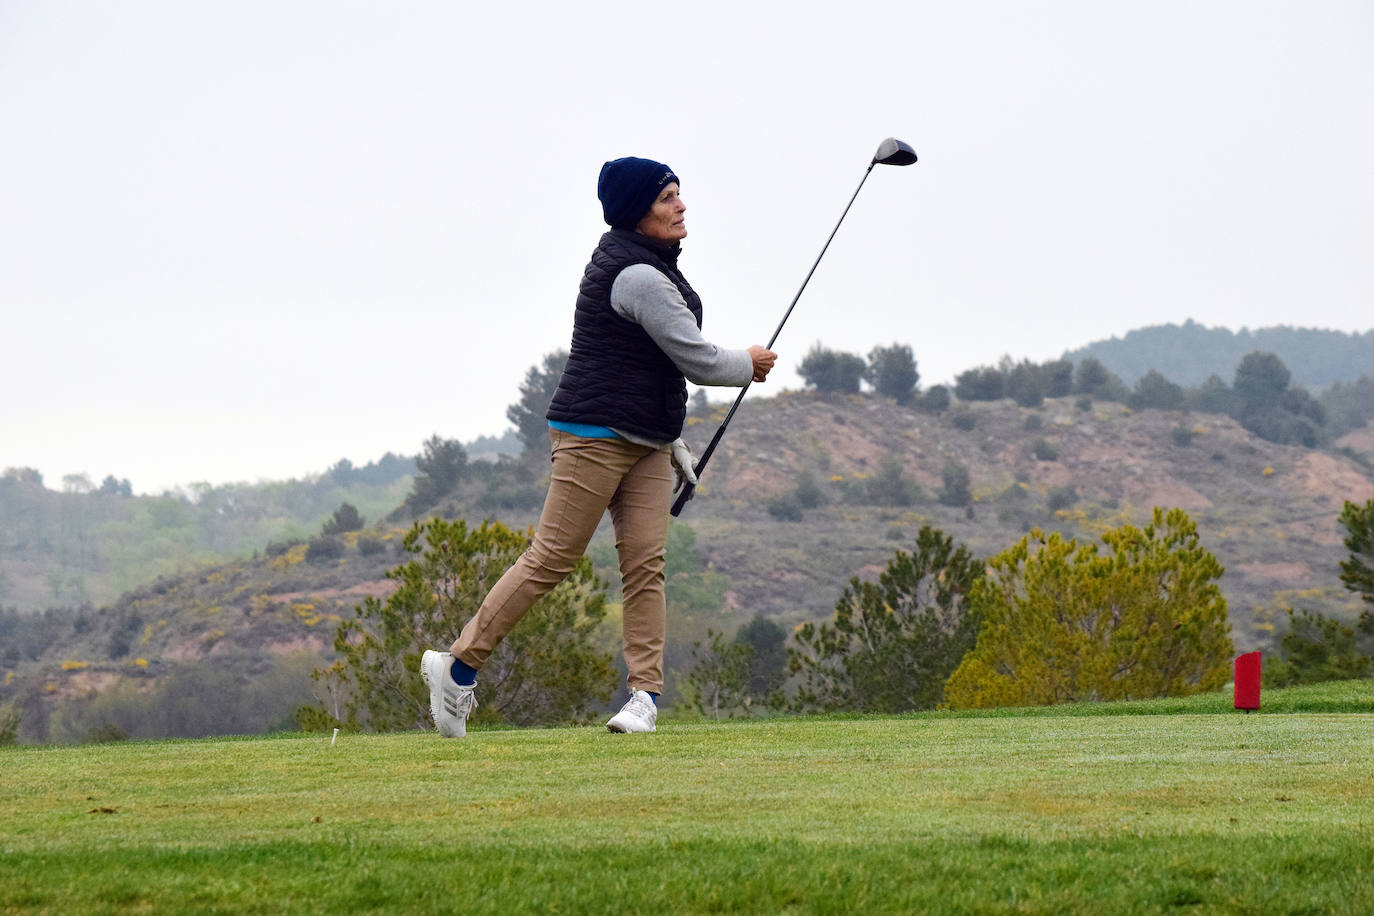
(890, 152)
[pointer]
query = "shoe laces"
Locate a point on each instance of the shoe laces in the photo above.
(464, 700)
(641, 704)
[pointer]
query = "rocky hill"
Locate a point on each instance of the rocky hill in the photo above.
(1269, 512)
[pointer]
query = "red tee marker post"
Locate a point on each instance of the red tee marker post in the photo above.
(1247, 687)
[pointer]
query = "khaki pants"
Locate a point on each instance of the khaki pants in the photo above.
(589, 476)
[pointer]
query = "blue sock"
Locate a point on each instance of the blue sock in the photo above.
(653, 696)
(465, 676)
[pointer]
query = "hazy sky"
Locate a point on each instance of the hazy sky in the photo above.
(242, 240)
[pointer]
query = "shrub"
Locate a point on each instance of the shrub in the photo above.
(985, 383)
(10, 717)
(809, 493)
(1058, 377)
(831, 371)
(1097, 381)
(323, 549)
(1014, 493)
(548, 670)
(889, 487)
(276, 549)
(891, 644)
(1154, 390)
(1182, 436)
(936, 400)
(370, 546)
(1047, 636)
(892, 372)
(1317, 648)
(1027, 383)
(956, 490)
(1034, 422)
(1357, 572)
(536, 392)
(717, 678)
(346, 519)
(511, 497)
(1061, 497)
(786, 508)
(964, 420)
(439, 470)
(767, 660)
(1043, 450)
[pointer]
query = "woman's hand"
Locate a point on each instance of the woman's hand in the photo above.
(763, 361)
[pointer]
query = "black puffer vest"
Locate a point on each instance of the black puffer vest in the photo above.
(616, 375)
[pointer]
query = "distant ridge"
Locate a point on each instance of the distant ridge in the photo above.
(1187, 354)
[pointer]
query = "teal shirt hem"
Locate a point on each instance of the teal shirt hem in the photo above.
(585, 430)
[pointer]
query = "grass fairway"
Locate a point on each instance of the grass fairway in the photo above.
(1149, 808)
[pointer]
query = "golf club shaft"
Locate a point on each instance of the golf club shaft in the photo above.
(689, 489)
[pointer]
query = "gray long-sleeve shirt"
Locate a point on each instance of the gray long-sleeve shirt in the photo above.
(642, 294)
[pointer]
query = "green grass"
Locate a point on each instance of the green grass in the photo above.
(1333, 696)
(1066, 810)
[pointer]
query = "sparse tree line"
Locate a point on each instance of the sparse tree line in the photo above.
(1260, 396)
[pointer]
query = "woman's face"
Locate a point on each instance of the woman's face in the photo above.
(664, 221)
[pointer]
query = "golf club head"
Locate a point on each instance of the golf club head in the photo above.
(894, 152)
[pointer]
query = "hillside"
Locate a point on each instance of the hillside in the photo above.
(86, 546)
(1269, 513)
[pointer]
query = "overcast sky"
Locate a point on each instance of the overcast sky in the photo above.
(243, 240)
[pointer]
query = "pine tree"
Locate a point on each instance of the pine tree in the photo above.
(892, 644)
(1358, 572)
(831, 371)
(892, 372)
(438, 472)
(1063, 622)
(536, 392)
(345, 519)
(548, 670)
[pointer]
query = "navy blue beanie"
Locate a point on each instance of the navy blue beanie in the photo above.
(628, 187)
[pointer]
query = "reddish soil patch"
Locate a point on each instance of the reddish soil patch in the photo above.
(378, 588)
(1361, 440)
(1277, 572)
(1331, 480)
(1159, 490)
(294, 646)
(79, 683)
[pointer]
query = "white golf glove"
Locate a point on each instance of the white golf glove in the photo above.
(682, 463)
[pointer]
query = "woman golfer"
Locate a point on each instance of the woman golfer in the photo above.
(615, 421)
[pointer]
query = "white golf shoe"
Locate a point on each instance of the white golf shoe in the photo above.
(450, 703)
(638, 715)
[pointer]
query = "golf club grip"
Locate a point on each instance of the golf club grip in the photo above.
(689, 489)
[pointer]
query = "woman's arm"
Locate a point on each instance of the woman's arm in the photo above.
(643, 294)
